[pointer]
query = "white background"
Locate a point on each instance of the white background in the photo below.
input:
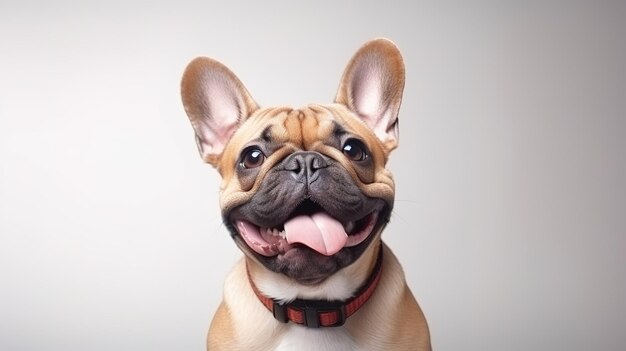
(510, 208)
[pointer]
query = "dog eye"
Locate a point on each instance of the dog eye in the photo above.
(355, 150)
(252, 158)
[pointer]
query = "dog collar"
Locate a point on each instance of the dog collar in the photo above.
(321, 313)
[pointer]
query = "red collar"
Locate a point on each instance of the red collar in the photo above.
(322, 313)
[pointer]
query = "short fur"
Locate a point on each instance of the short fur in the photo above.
(304, 167)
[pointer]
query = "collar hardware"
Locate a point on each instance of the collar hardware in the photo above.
(322, 313)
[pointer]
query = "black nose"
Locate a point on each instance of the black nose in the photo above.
(304, 165)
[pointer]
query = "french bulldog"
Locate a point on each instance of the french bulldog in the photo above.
(305, 195)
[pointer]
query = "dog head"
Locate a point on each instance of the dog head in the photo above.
(304, 191)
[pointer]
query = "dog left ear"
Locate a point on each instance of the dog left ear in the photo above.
(372, 86)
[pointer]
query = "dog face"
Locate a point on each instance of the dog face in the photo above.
(304, 191)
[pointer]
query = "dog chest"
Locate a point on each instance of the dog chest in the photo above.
(307, 339)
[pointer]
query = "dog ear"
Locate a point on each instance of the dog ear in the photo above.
(216, 103)
(372, 86)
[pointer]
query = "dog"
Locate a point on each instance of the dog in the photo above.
(305, 195)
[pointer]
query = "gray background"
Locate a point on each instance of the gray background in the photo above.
(510, 208)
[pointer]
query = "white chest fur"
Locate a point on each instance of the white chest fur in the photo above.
(326, 339)
(256, 328)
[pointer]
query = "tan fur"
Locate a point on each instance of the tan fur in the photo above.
(301, 129)
(391, 320)
(225, 119)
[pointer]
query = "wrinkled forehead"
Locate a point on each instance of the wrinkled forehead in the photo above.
(301, 129)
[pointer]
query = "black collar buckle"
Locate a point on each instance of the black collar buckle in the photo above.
(311, 311)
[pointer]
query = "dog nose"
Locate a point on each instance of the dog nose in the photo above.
(304, 165)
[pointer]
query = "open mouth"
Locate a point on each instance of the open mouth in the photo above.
(308, 225)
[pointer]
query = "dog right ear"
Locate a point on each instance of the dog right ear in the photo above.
(216, 103)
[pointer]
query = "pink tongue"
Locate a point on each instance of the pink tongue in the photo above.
(319, 231)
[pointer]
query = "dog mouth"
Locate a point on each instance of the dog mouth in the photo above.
(311, 226)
